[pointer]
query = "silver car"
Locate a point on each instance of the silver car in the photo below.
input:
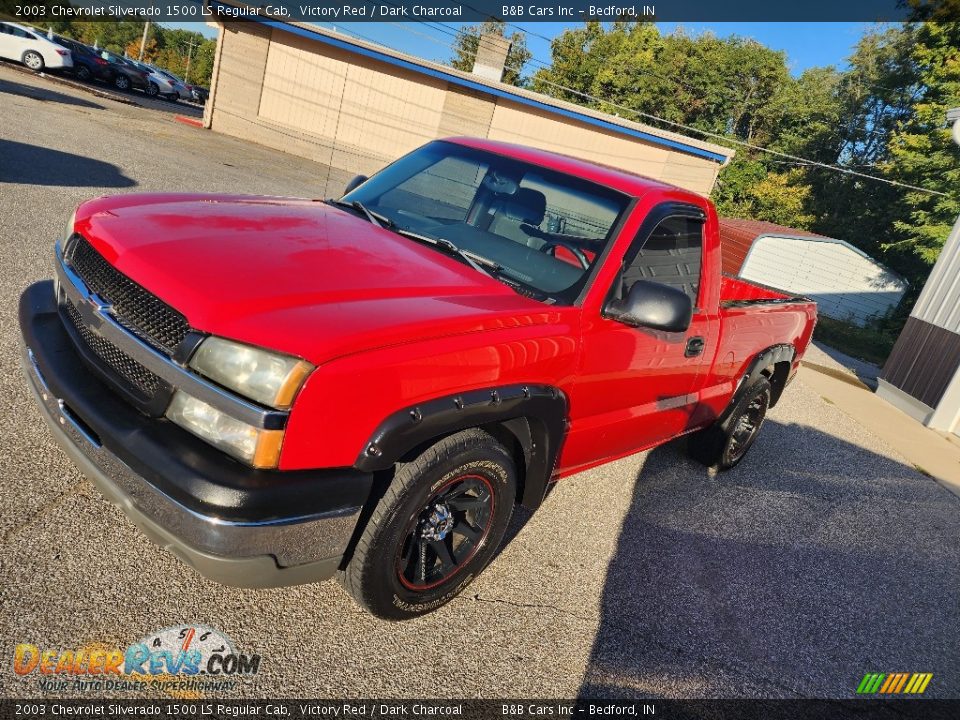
(180, 87)
(160, 83)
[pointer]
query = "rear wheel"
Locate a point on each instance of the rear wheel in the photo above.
(436, 527)
(152, 89)
(83, 73)
(33, 60)
(121, 82)
(724, 444)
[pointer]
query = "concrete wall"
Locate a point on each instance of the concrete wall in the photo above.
(357, 113)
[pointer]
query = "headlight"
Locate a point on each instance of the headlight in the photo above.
(266, 377)
(256, 447)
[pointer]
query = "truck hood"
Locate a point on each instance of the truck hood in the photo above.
(297, 276)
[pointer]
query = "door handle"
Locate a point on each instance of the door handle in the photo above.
(694, 346)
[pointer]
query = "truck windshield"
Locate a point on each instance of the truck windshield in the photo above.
(541, 228)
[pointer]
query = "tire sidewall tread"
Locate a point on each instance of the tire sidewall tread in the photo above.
(710, 446)
(374, 556)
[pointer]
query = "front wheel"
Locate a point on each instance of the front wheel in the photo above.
(436, 527)
(724, 444)
(33, 60)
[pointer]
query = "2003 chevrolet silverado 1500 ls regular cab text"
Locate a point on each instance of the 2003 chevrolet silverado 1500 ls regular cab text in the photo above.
(281, 390)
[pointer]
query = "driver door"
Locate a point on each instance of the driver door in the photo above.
(637, 386)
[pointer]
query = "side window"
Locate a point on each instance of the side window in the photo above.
(671, 255)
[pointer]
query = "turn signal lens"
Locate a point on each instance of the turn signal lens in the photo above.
(258, 448)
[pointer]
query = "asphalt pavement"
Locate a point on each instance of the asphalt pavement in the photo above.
(824, 556)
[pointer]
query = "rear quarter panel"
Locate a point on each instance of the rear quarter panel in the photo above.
(747, 330)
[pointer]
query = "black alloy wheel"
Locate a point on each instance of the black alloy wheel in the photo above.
(725, 443)
(438, 523)
(747, 427)
(446, 533)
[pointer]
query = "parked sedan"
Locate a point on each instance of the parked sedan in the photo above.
(200, 94)
(183, 92)
(159, 83)
(30, 47)
(125, 75)
(87, 63)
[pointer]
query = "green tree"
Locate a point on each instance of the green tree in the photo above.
(922, 151)
(468, 41)
(734, 87)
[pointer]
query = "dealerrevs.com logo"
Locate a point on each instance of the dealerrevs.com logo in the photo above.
(184, 657)
(894, 683)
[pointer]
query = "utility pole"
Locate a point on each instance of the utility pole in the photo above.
(190, 47)
(143, 40)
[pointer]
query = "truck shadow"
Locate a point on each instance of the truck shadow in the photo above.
(810, 564)
(44, 94)
(35, 165)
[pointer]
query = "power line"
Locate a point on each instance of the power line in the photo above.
(729, 94)
(706, 133)
(726, 138)
(743, 143)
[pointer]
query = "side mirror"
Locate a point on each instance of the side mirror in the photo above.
(652, 305)
(357, 181)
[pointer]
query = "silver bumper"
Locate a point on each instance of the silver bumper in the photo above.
(246, 554)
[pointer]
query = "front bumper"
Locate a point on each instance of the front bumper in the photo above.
(235, 525)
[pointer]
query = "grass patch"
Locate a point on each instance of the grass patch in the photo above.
(864, 343)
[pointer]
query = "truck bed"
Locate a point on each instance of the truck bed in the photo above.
(736, 292)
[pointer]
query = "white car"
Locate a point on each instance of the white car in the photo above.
(32, 48)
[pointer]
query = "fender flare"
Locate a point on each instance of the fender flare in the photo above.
(784, 352)
(536, 415)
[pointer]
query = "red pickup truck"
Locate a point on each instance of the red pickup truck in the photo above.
(282, 390)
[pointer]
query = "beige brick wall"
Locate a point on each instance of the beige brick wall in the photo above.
(357, 114)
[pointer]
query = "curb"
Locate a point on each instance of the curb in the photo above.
(192, 122)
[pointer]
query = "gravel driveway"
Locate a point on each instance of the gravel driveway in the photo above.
(821, 558)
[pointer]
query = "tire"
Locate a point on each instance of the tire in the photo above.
(33, 60)
(152, 89)
(84, 74)
(724, 444)
(457, 495)
(121, 82)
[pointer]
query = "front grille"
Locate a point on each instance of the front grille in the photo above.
(141, 312)
(118, 361)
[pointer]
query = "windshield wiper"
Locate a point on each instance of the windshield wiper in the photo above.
(477, 262)
(375, 218)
